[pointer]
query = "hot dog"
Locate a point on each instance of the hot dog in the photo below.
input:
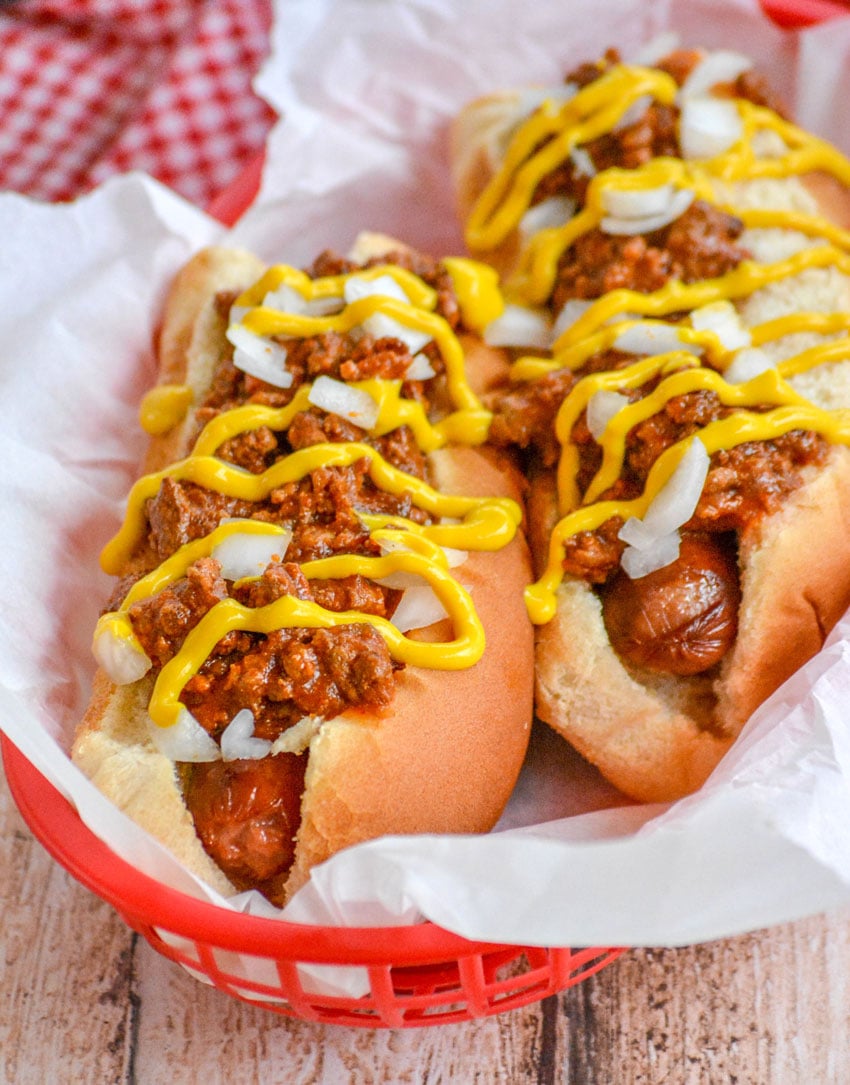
(675, 252)
(317, 636)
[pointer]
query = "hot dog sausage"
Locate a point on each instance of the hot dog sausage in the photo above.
(680, 619)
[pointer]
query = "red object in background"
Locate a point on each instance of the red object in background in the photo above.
(91, 88)
(798, 13)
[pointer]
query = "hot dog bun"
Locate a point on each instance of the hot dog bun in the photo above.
(442, 756)
(658, 735)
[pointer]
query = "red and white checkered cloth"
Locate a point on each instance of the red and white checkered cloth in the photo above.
(90, 88)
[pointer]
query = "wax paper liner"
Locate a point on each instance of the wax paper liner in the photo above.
(366, 90)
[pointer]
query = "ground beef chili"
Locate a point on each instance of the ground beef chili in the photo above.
(247, 812)
(700, 244)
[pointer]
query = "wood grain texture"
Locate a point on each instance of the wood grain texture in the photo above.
(82, 999)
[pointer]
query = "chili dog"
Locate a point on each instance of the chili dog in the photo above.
(317, 636)
(674, 252)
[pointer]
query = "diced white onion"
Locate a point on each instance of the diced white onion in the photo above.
(569, 314)
(634, 113)
(382, 286)
(654, 540)
(679, 203)
(382, 326)
(548, 213)
(722, 318)
(122, 659)
(657, 48)
(748, 363)
(420, 369)
(629, 203)
(286, 299)
(341, 399)
(184, 740)
(601, 408)
(297, 738)
(637, 563)
(259, 357)
(582, 162)
(675, 502)
(419, 607)
(708, 126)
(648, 337)
(519, 326)
(248, 553)
(402, 579)
(238, 741)
(721, 66)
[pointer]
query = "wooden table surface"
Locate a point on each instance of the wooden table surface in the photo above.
(85, 1000)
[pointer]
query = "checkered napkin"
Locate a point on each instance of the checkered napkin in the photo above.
(89, 88)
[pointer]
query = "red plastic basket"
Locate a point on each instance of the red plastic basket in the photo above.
(418, 976)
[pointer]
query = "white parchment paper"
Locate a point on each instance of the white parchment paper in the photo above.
(366, 89)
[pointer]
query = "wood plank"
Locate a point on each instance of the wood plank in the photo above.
(66, 1004)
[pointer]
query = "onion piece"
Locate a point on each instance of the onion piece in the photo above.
(582, 162)
(748, 363)
(634, 112)
(124, 660)
(629, 203)
(297, 738)
(675, 502)
(382, 286)
(547, 214)
(238, 741)
(259, 357)
(571, 311)
(419, 607)
(679, 203)
(708, 127)
(519, 326)
(420, 369)
(722, 318)
(720, 66)
(654, 540)
(601, 408)
(341, 399)
(286, 299)
(637, 563)
(184, 740)
(382, 326)
(648, 337)
(248, 553)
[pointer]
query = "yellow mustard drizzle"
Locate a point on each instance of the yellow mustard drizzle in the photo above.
(463, 523)
(458, 654)
(529, 159)
(573, 357)
(675, 296)
(164, 407)
(593, 111)
(333, 286)
(224, 478)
